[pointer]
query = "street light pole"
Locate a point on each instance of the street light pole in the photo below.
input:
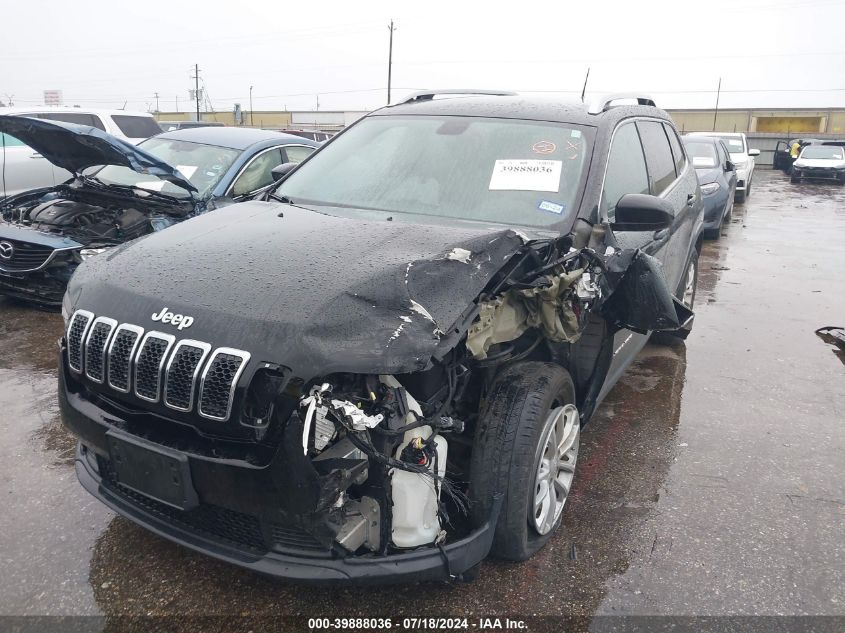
(390, 61)
(251, 121)
(716, 111)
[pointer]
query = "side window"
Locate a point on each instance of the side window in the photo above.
(661, 166)
(258, 173)
(677, 152)
(626, 171)
(723, 153)
(79, 118)
(297, 153)
(7, 140)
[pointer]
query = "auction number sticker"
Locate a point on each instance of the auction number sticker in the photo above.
(526, 175)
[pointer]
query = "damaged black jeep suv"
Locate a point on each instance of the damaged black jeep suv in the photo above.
(380, 371)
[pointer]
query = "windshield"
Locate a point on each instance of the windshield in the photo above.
(497, 170)
(703, 154)
(822, 151)
(202, 165)
(735, 144)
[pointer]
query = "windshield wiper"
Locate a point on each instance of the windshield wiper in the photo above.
(138, 192)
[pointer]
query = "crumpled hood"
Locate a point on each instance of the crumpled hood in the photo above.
(76, 147)
(312, 292)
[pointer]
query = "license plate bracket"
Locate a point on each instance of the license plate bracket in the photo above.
(154, 471)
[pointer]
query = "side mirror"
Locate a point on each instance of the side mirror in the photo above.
(729, 166)
(642, 212)
(754, 152)
(281, 171)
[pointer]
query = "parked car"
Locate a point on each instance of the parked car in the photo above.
(23, 168)
(314, 135)
(169, 126)
(47, 232)
(131, 126)
(383, 373)
(716, 177)
(820, 162)
(741, 156)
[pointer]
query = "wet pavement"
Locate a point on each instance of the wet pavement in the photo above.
(711, 480)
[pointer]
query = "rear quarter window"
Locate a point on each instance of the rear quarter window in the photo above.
(136, 126)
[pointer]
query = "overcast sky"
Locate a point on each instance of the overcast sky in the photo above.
(777, 53)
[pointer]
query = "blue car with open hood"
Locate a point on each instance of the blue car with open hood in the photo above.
(120, 192)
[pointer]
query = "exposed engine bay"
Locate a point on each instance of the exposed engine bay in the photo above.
(92, 218)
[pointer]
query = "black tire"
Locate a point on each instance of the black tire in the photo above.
(794, 179)
(741, 196)
(505, 454)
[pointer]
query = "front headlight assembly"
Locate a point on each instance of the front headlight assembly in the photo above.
(87, 253)
(710, 188)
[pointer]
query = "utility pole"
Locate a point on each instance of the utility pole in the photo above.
(251, 121)
(156, 96)
(716, 111)
(584, 89)
(390, 60)
(197, 88)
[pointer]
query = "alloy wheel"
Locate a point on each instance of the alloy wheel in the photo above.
(556, 470)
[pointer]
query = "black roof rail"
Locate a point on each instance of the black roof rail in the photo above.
(603, 104)
(428, 95)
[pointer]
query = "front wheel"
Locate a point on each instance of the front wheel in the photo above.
(741, 196)
(526, 448)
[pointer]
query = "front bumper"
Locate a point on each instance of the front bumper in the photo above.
(44, 288)
(819, 173)
(231, 522)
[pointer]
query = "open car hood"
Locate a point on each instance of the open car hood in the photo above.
(77, 147)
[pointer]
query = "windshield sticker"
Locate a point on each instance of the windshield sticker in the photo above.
(186, 170)
(576, 134)
(551, 207)
(544, 147)
(152, 185)
(526, 175)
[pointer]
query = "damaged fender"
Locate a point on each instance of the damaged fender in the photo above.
(627, 288)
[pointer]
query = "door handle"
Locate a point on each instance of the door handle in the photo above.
(690, 199)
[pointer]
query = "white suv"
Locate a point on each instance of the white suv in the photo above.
(741, 156)
(24, 169)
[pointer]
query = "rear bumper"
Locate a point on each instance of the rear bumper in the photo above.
(233, 522)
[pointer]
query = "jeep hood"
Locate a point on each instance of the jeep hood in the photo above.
(77, 147)
(313, 292)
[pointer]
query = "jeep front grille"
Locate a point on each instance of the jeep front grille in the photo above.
(154, 366)
(149, 363)
(96, 346)
(219, 381)
(182, 370)
(76, 331)
(121, 352)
